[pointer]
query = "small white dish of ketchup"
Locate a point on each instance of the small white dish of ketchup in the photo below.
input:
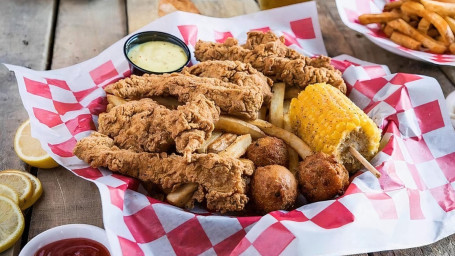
(72, 239)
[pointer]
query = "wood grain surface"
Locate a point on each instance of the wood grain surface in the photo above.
(83, 28)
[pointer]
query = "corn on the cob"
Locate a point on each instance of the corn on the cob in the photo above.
(329, 122)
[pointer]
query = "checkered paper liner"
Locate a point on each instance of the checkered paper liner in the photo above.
(350, 10)
(416, 191)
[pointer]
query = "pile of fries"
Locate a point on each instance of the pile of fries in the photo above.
(426, 25)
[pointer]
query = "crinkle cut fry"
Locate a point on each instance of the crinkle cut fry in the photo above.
(222, 179)
(145, 125)
(275, 60)
(237, 100)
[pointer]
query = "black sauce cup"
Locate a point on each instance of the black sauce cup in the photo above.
(148, 36)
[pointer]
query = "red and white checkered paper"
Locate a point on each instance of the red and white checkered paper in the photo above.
(411, 205)
(350, 10)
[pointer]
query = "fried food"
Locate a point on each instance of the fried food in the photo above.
(222, 181)
(168, 6)
(269, 55)
(236, 97)
(276, 105)
(221, 143)
(146, 126)
(405, 41)
(238, 147)
(384, 17)
(237, 126)
(273, 188)
(204, 147)
(181, 194)
(330, 122)
(268, 151)
(321, 177)
(444, 9)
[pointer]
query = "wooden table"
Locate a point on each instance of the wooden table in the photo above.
(51, 34)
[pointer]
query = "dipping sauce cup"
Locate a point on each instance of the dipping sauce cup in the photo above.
(155, 52)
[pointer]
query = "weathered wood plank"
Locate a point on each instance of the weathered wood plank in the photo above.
(84, 28)
(142, 12)
(339, 39)
(25, 43)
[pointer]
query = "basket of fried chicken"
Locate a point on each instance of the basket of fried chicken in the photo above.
(244, 131)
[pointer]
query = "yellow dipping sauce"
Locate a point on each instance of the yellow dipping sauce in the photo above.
(158, 56)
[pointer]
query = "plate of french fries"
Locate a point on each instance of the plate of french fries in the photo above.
(421, 29)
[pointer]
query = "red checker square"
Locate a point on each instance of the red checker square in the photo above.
(340, 65)
(442, 58)
(290, 40)
(144, 225)
(189, 33)
(153, 200)
(401, 79)
(117, 195)
(131, 183)
(273, 240)
(241, 247)
(64, 149)
(190, 234)
(129, 247)
(63, 108)
(79, 124)
(352, 189)
(80, 95)
(37, 88)
(370, 87)
(59, 83)
(247, 221)
(447, 165)
(400, 100)
(48, 118)
(418, 149)
(127, 73)
(104, 72)
(334, 216)
(415, 209)
(97, 106)
(227, 245)
(220, 37)
(303, 28)
(375, 71)
(429, 116)
(445, 196)
(383, 205)
(89, 173)
(294, 215)
(263, 30)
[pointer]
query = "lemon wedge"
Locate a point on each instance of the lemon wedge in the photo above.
(11, 223)
(19, 183)
(37, 189)
(9, 193)
(29, 149)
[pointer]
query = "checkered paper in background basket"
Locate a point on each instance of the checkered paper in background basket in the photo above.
(412, 203)
(350, 10)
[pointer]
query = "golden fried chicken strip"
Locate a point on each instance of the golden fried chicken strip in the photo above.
(235, 72)
(269, 55)
(145, 125)
(242, 100)
(221, 180)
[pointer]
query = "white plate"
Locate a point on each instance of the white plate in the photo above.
(65, 232)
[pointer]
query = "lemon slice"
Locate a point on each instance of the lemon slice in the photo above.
(19, 183)
(29, 149)
(11, 223)
(9, 193)
(37, 189)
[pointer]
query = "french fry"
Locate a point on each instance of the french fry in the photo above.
(276, 105)
(293, 162)
(292, 92)
(405, 41)
(222, 143)
(392, 5)
(403, 27)
(180, 196)
(238, 147)
(115, 100)
(365, 19)
(168, 102)
(388, 30)
(423, 26)
(207, 142)
(262, 113)
(237, 126)
(286, 105)
(451, 22)
(440, 7)
(452, 48)
(438, 22)
(289, 138)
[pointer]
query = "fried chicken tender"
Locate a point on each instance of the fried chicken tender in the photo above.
(146, 126)
(321, 177)
(222, 181)
(239, 92)
(269, 55)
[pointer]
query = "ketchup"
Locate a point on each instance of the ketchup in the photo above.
(73, 247)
